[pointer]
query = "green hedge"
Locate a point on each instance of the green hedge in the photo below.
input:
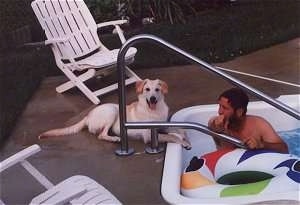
(221, 35)
(21, 74)
(217, 36)
(15, 14)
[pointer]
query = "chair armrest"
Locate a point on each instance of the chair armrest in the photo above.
(56, 40)
(62, 40)
(46, 42)
(111, 23)
(116, 25)
(59, 195)
(34, 44)
(19, 157)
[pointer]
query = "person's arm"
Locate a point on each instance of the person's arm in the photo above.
(270, 138)
(218, 124)
(212, 126)
(278, 146)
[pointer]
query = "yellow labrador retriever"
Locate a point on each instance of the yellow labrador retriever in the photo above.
(150, 106)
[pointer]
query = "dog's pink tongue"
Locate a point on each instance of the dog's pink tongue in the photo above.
(152, 106)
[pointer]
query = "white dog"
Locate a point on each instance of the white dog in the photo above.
(150, 106)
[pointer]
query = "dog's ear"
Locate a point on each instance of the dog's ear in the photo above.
(139, 85)
(164, 87)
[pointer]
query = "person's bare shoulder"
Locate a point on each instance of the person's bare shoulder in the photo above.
(262, 126)
(257, 120)
(266, 130)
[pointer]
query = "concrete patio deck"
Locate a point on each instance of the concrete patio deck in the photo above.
(135, 179)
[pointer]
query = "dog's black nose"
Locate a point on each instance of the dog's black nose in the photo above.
(152, 99)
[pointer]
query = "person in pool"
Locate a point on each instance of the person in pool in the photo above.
(232, 120)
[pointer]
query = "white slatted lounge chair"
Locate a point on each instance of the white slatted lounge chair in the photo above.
(71, 32)
(74, 190)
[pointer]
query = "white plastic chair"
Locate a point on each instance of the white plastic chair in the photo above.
(71, 32)
(74, 190)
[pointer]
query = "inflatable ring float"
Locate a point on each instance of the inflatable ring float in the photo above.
(240, 172)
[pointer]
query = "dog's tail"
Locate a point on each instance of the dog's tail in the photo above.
(64, 131)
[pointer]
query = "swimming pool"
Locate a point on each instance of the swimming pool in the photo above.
(177, 158)
(292, 139)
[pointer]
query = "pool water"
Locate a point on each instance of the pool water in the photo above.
(292, 138)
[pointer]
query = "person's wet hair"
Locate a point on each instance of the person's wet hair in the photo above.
(237, 98)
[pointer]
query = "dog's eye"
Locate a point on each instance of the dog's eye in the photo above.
(147, 89)
(157, 89)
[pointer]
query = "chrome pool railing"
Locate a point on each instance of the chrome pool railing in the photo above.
(124, 125)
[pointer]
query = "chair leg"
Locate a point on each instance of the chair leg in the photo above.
(130, 74)
(113, 87)
(132, 79)
(76, 81)
(83, 77)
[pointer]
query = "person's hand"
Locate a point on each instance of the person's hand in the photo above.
(219, 123)
(253, 143)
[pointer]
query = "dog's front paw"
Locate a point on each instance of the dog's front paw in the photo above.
(115, 139)
(186, 145)
(109, 138)
(42, 136)
(182, 139)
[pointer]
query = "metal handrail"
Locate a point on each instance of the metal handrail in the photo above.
(185, 125)
(124, 150)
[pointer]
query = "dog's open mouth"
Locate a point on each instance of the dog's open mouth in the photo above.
(152, 103)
